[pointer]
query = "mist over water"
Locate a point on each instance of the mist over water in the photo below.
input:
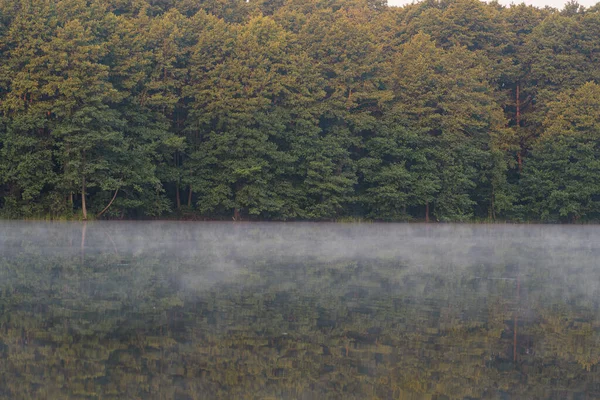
(298, 310)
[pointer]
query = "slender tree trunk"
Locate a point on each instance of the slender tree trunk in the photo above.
(109, 204)
(70, 196)
(492, 210)
(83, 205)
(349, 99)
(518, 100)
(189, 203)
(427, 212)
(236, 211)
(518, 118)
(177, 195)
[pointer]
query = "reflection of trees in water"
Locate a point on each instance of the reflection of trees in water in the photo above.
(164, 324)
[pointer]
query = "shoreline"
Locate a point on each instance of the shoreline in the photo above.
(311, 222)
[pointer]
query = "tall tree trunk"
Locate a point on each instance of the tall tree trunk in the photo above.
(190, 197)
(176, 162)
(66, 172)
(83, 205)
(518, 118)
(492, 213)
(427, 212)
(518, 100)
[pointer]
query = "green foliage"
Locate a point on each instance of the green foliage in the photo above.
(321, 110)
(561, 179)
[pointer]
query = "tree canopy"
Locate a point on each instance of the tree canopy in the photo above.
(287, 110)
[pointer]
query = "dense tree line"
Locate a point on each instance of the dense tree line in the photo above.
(319, 109)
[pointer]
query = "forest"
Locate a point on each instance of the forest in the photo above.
(442, 110)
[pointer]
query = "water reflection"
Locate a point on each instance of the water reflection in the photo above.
(190, 311)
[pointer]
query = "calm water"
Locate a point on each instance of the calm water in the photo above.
(298, 311)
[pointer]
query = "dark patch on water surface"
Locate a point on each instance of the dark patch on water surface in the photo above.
(167, 310)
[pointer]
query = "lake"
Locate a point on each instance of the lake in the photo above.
(181, 310)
